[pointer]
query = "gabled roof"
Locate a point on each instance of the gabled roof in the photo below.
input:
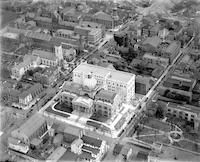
(172, 47)
(103, 16)
(91, 141)
(40, 36)
(44, 54)
(30, 126)
(154, 41)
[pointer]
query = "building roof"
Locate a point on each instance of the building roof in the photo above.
(60, 40)
(10, 35)
(35, 87)
(179, 83)
(71, 87)
(31, 125)
(57, 154)
(90, 149)
(94, 31)
(92, 141)
(154, 41)
(72, 130)
(188, 108)
(65, 31)
(36, 141)
(45, 55)
(45, 19)
(105, 95)
(88, 102)
(172, 47)
(142, 155)
(49, 71)
(117, 149)
(98, 70)
(40, 36)
(103, 16)
(27, 60)
(91, 24)
(150, 56)
(24, 94)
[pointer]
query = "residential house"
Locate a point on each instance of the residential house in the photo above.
(172, 50)
(47, 77)
(156, 60)
(151, 43)
(154, 30)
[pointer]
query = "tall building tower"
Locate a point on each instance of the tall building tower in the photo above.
(115, 14)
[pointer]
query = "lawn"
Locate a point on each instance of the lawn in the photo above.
(99, 118)
(146, 131)
(50, 110)
(157, 124)
(63, 107)
(188, 145)
(155, 138)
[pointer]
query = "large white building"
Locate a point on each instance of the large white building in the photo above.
(112, 80)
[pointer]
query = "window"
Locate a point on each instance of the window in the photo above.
(186, 114)
(192, 116)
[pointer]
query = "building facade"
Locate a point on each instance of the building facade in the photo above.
(189, 113)
(114, 81)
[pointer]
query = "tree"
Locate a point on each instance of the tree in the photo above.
(159, 112)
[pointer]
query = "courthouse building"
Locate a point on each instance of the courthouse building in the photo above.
(112, 80)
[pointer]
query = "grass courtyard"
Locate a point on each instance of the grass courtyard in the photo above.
(63, 107)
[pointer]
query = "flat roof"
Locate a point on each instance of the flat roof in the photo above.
(107, 95)
(72, 130)
(31, 125)
(98, 70)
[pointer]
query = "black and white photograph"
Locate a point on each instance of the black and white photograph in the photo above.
(100, 81)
